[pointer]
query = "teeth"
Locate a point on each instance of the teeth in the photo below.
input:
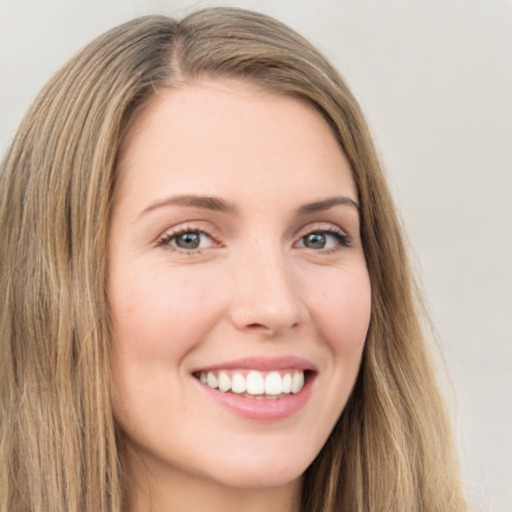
(297, 382)
(238, 384)
(287, 383)
(224, 382)
(211, 380)
(255, 383)
(273, 384)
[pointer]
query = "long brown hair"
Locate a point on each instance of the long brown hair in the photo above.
(391, 449)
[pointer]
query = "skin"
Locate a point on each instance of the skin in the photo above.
(255, 287)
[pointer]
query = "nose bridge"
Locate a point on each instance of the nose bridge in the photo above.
(264, 293)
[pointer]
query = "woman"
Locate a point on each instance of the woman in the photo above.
(207, 298)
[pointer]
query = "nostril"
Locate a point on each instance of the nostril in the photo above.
(270, 328)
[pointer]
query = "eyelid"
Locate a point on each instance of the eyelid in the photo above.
(324, 227)
(191, 226)
(204, 228)
(321, 226)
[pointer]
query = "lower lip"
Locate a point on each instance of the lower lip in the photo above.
(265, 409)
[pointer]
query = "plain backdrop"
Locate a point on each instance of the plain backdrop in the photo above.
(435, 80)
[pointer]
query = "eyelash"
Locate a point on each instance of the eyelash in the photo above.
(340, 236)
(166, 239)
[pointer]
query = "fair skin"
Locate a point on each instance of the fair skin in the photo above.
(234, 249)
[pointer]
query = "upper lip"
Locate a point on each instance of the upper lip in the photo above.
(261, 364)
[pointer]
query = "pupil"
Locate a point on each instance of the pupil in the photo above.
(315, 240)
(188, 240)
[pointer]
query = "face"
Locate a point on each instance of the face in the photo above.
(238, 286)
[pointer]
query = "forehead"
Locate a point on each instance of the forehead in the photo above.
(230, 132)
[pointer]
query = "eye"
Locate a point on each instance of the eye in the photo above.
(319, 240)
(186, 240)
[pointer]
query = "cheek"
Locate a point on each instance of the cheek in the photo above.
(156, 316)
(342, 308)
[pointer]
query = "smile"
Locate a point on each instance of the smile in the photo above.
(259, 388)
(254, 383)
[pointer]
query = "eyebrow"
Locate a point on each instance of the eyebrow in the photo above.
(325, 204)
(220, 205)
(204, 202)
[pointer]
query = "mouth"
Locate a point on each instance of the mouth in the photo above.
(258, 388)
(256, 384)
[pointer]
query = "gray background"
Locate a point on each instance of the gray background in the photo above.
(435, 80)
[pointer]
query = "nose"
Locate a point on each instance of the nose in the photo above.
(265, 296)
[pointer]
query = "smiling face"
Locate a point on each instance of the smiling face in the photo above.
(238, 286)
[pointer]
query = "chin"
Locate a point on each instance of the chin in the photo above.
(253, 478)
(265, 469)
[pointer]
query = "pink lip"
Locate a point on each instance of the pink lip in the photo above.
(260, 410)
(261, 364)
(266, 409)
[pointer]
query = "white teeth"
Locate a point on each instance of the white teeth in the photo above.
(211, 380)
(273, 384)
(297, 382)
(238, 384)
(287, 383)
(224, 382)
(255, 383)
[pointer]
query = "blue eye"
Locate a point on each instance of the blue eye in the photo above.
(323, 239)
(188, 240)
(315, 240)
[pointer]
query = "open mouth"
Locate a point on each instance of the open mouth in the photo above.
(256, 384)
